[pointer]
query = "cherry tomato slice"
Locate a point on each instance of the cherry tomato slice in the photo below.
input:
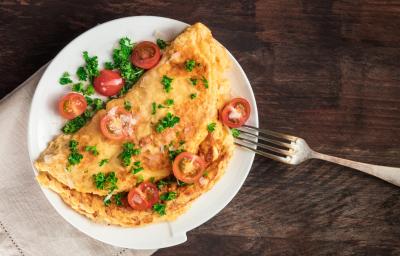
(108, 83)
(137, 200)
(145, 55)
(188, 167)
(117, 124)
(72, 105)
(235, 113)
(150, 192)
(143, 197)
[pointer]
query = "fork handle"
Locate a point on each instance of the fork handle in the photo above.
(389, 174)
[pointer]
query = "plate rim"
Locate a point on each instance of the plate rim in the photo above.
(179, 238)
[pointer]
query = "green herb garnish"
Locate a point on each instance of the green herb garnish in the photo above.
(161, 43)
(235, 132)
(139, 179)
(105, 181)
(169, 102)
(74, 157)
(121, 58)
(205, 82)
(109, 65)
(162, 183)
(167, 82)
(128, 151)
(211, 127)
(65, 79)
(92, 149)
(118, 197)
(92, 66)
(168, 121)
(189, 65)
(193, 96)
(153, 108)
(193, 80)
(137, 167)
(81, 73)
(168, 196)
(78, 87)
(172, 154)
(89, 90)
(127, 105)
(103, 162)
(159, 208)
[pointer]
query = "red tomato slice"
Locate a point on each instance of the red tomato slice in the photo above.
(188, 167)
(108, 83)
(235, 113)
(137, 200)
(145, 55)
(72, 105)
(117, 124)
(150, 192)
(143, 197)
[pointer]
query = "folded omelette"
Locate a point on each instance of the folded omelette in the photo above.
(75, 184)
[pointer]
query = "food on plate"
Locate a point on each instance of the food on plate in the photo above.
(108, 83)
(235, 113)
(72, 105)
(157, 143)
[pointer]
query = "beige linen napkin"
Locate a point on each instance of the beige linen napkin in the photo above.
(28, 223)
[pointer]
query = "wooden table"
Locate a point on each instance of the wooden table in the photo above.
(328, 71)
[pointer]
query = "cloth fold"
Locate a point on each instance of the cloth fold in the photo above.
(28, 223)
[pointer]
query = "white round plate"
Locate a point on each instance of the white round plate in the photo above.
(45, 124)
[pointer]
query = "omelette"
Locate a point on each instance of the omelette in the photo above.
(173, 111)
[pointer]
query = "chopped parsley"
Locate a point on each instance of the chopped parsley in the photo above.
(109, 65)
(205, 82)
(78, 87)
(172, 154)
(128, 150)
(181, 183)
(65, 79)
(159, 208)
(205, 174)
(139, 179)
(161, 43)
(211, 127)
(81, 73)
(105, 181)
(127, 105)
(74, 157)
(152, 179)
(162, 183)
(92, 149)
(121, 58)
(92, 66)
(103, 162)
(189, 65)
(160, 106)
(193, 80)
(168, 196)
(107, 202)
(118, 197)
(153, 108)
(169, 102)
(168, 121)
(89, 90)
(167, 82)
(193, 96)
(97, 104)
(137, 167)
(235, 132)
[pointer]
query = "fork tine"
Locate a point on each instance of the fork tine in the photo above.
(265, 154)
(276, 142)
(274, 149)
(271, 133)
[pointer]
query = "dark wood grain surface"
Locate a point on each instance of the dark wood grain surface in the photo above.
(328, 71)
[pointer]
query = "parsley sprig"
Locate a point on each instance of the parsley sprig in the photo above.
(159, 208)
(211, 127)
(137, 167)
(65, 79)
(167, 83)
(168, 196)
(189, 65)
(168, 121)
(161, 43)
(105, 181)
(74, 157)
(128, 150)
(92, 149)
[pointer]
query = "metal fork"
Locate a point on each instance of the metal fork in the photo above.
(293, 150)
